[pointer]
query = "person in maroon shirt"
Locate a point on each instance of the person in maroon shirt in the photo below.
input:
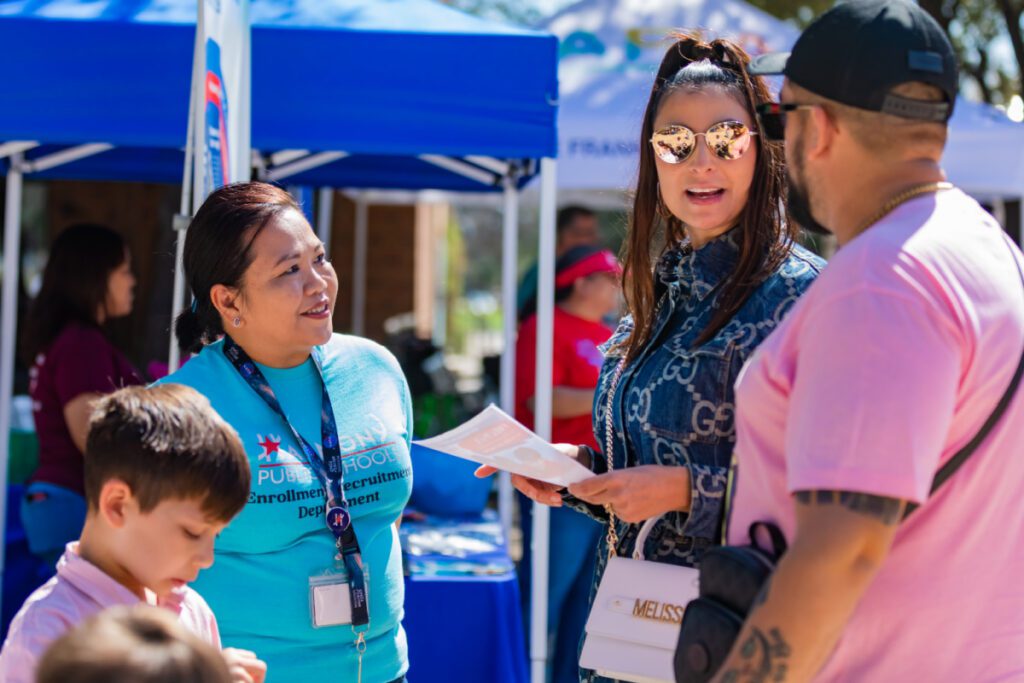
(88, 280)
(586, 292)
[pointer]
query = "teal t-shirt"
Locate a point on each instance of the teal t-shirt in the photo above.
(258, 585)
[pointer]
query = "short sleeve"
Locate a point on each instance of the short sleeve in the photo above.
(83, 362)
(873, 396)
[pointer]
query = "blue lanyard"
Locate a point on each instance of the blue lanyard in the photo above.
(328, 471)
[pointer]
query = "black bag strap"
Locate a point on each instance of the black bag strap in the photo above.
(961, 456)
(775, 534)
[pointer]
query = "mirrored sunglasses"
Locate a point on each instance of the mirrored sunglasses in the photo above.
(727, 140)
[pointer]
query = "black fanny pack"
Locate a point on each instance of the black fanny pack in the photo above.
(731, 577)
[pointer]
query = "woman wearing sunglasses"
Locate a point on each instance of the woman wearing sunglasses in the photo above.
(710, 269)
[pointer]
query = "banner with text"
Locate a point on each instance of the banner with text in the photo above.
(221, 91)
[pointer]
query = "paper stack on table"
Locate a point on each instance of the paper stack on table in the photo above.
(493, 438)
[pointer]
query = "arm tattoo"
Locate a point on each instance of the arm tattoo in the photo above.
(885, 510)
(762, 659)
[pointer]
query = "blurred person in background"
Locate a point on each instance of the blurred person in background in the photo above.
(87, 281)
(575, 226)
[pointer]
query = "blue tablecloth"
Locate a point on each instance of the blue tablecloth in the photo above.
(462, 608)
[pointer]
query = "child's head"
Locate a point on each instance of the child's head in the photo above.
(163, 475)
(139, 644)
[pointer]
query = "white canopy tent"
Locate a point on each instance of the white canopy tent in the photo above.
(985, 152)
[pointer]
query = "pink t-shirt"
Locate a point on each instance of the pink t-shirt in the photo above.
(79, 590)
(888, 365)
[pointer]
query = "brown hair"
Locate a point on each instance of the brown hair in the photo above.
(767, 234)
(166, 442)
(75, 283)
(136, 644)
(218, 248)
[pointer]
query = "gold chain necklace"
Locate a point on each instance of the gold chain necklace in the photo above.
(903, 197)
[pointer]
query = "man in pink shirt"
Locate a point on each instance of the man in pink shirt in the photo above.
(889, 365)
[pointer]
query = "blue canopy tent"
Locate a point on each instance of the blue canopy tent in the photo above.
(345, 93)
(389, 79)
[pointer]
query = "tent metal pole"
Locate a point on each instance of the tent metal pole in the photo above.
(243, 147)
(507, 382)
(360, 248)
(286, 156)
(14, 147)
(502, 168)
(66, 156)
(184, 216)
(461, 168)
(325, 211)
(542, 415)
(9, 325)
(279, 173)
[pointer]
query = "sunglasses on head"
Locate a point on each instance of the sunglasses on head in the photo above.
(772, 117)
(727, 140)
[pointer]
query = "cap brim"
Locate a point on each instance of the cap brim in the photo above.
(772, 64)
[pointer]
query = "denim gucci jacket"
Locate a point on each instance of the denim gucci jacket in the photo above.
(674, 404)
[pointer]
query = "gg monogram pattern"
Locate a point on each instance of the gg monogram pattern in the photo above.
(675, 404)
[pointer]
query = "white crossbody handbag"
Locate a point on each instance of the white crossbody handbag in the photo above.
(633, 627)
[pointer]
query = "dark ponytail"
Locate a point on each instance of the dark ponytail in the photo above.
(218, 249)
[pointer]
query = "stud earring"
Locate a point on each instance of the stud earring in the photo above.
(237, 322)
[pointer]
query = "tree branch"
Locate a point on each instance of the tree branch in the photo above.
(1011, 12)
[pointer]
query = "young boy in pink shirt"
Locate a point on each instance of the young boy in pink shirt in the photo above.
(164, 474)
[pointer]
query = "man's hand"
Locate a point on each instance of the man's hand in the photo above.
(841, 540)
(638, 493)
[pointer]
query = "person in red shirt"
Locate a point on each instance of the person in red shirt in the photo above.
(586, 293)
(88, 280)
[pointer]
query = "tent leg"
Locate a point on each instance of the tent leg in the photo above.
(325, 211)
(362, 226)
(509, 259)
(186, 206)
(9, 325)
(542, 415)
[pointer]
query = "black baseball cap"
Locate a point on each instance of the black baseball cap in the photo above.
(859, 50)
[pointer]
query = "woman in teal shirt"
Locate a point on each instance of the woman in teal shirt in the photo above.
(325, 418)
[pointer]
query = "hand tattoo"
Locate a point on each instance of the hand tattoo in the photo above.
(763, 659)
(886, 510)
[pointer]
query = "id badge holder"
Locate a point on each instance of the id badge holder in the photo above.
(330, 603)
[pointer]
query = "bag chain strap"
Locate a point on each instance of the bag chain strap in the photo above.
(609, 429)
(613, 536)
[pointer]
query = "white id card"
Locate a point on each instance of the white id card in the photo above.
(330, 603)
